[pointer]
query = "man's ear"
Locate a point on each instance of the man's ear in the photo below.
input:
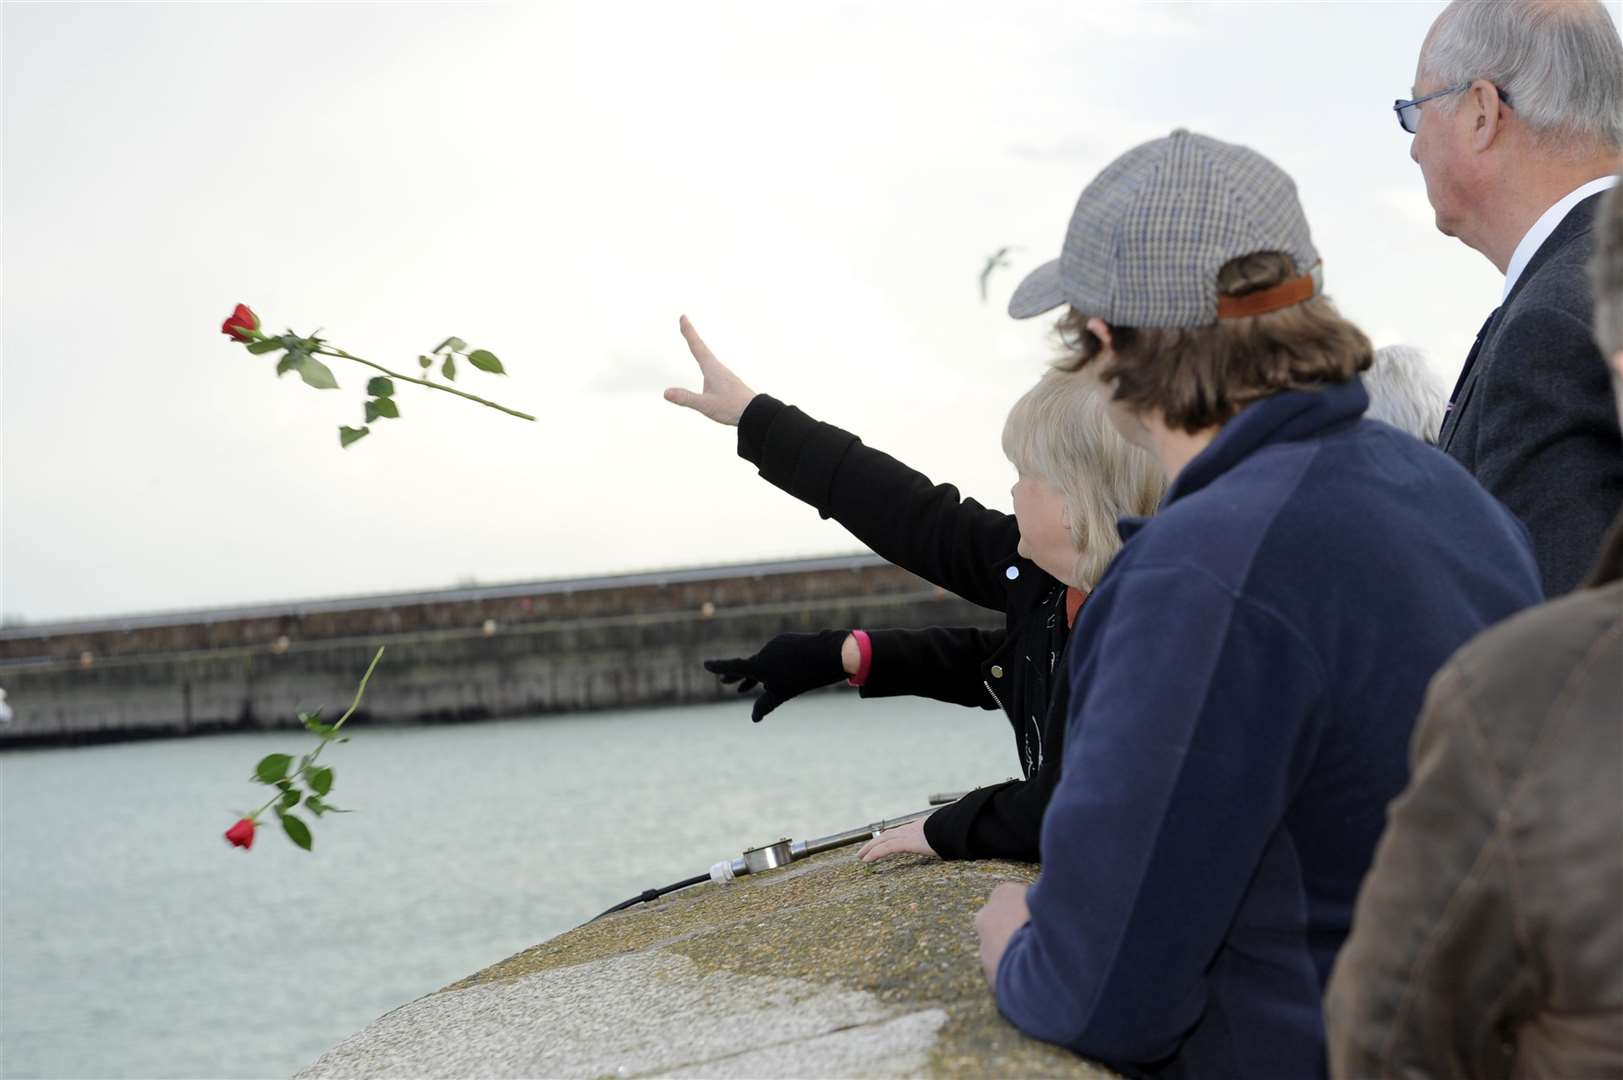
(1482, 99)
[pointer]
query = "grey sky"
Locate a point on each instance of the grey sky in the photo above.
(817, 186)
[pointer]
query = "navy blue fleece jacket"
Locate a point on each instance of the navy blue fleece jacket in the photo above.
(1245, 679)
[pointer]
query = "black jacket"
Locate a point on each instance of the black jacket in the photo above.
(968, 549)
(1532, 418)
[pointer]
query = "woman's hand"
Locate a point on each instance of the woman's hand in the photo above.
(786, 666)
(724, 395)
(902, 840)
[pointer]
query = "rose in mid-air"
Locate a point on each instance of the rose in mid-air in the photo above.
(241, 834)
(299, 354)
(299, 781)
(242, 325)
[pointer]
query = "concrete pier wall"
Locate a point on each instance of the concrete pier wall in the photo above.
(459, 655)
(829, 967)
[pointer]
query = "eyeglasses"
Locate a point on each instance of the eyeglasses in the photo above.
(1409, 111)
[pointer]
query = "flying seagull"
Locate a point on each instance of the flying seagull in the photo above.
(993, 262)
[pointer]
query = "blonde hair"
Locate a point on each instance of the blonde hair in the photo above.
(1060, 432)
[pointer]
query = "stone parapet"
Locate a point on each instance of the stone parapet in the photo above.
(826, 968)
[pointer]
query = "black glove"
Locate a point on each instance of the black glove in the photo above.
(788, 665)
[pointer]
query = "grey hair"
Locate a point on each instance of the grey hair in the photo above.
(1606, 268)
(1060, 432)
(1560, 63)
(1405, 392)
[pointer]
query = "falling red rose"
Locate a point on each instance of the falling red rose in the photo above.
(241, 325)
(241, 834)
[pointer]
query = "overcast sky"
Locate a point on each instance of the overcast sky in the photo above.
(816, 185)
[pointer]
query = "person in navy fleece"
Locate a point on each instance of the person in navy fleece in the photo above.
(1248, 670)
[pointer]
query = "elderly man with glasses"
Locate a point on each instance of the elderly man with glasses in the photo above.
(1517, 118)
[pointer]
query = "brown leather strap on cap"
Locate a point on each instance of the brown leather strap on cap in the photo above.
(1283, 295)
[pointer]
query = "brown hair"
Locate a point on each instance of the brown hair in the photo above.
(1198, 377)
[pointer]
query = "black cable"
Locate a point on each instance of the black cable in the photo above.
(650, 895)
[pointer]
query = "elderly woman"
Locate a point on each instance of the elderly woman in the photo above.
(1405, 392)
(1077, 476)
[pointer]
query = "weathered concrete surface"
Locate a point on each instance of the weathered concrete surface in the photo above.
(825, 968)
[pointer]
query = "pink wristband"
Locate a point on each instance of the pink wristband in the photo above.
(864, 657)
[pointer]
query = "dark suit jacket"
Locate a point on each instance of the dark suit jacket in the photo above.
(1534, 419)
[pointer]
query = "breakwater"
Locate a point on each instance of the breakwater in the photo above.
(452, 655)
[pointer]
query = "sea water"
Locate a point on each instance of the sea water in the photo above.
(134, 942)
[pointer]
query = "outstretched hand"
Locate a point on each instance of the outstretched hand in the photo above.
(723, 396)
(788, 665)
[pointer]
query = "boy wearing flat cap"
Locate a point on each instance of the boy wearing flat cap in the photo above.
(1250, 666)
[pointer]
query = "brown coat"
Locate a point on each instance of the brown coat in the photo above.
(1488, 936)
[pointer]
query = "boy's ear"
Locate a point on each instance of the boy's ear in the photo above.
(1101, 330)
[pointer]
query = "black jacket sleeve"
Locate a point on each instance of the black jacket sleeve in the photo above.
(1004, 821)
(937, 662)
(922, 527)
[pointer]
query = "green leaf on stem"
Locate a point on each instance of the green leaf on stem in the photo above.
(288, 363)
(382, 386)
(321, 780)
(448, 369)
(315, 373)
(424, 362)
(260, 348)
(284, 784)
(312, 721)
(315, 805)
(455, 344)
(297, 831)
(290, 799)
(381, 407)
(485, 360)
(272, 767)
(347, 435)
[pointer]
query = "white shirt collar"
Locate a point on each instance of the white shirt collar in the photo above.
(1544, 226)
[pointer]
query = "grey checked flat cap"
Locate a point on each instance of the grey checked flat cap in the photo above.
(1151, 231)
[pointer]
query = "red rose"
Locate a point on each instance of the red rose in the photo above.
(241, 326)
(242, 833)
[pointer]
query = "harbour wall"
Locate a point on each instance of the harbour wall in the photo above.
(451, 655)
